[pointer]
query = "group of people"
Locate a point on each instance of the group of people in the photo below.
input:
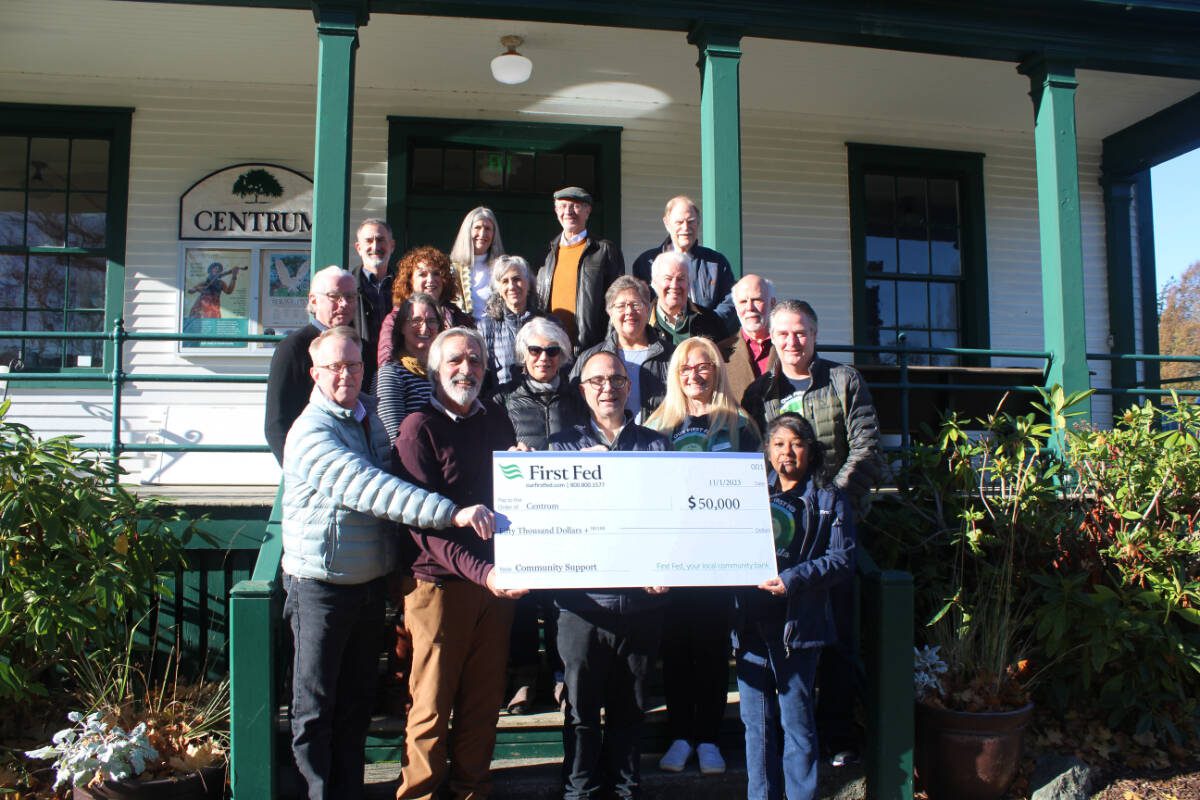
(473, 352)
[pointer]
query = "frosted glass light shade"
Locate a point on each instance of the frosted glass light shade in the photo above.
(511, 68)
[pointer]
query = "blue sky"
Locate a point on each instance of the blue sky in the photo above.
(1176, 191)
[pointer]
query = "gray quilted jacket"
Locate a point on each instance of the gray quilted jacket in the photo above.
(338, 498)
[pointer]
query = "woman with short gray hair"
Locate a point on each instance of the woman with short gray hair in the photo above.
(511, 304)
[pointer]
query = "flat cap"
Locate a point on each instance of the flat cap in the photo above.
(573, 193)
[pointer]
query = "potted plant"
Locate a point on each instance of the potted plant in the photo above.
(141, 739)
(977, 515)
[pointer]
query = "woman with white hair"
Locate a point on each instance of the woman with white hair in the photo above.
(510, 305)
(540, 402)
(698, 414)
(475, 247)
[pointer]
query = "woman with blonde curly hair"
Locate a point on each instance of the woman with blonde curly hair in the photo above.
(698, 414)
(422, 269)
(475, 248)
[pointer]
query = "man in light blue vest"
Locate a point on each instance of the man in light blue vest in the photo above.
(338, 548)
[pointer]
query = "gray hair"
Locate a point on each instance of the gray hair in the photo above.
(543, 328)
(336, 332)
(333, 273)
(664, 260)
(627, 283)
(434, 360)
(500, 267)
(767, 283)
(681, 198)
(462, 252)
(382, 223)
(798, 307)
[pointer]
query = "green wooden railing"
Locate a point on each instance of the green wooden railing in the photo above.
(255, 626)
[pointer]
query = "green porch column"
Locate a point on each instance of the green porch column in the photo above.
(337, 39)
(1053, 86)
(720, 139)
(1118, 197)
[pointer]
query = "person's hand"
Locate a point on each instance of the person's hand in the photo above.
(657, 589)
(508, 594)
(775, 586)
(521, 447)
(479, 517)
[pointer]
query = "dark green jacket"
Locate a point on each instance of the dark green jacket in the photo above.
(838, 405)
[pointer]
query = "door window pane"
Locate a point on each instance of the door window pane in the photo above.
(520, 172)
(578, 170)
(427, 168)
(459, 169)
(489, 170)
(548, 168)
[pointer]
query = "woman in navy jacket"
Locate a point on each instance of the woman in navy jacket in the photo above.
(780, 627)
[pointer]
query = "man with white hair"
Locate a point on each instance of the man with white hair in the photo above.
(332, 301)
(458, 618)
(676, 316)
(338, 550)
(710, 277)
(748, 353)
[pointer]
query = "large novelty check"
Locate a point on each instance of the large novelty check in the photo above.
(614, 519)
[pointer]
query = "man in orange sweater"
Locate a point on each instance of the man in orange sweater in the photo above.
(578, 270)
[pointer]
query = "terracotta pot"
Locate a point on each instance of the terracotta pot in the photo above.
(965, 754)
(207, 783)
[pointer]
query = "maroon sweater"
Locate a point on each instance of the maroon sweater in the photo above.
(453, 458)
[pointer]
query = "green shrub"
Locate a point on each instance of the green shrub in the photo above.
(79, 557)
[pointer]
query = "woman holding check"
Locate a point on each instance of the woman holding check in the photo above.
(780, 627)
(698, 414)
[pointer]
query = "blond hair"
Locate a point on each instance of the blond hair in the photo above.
(723, 411)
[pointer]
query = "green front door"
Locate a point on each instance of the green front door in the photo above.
(439, 169)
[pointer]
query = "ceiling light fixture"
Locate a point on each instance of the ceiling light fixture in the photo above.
(511, 67)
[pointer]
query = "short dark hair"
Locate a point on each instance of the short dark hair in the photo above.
(802, 429)
(795, 307)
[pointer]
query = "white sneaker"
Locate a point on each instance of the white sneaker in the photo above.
(676, 757)
(709, 756)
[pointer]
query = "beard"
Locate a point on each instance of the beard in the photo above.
(462, 391)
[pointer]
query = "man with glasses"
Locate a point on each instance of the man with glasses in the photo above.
(578, 270)
(332, 301)
(676, 316)
(710, 277)
(338, 550)
(607, 638)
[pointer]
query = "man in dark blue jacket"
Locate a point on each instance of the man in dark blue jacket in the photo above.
(710, 277)
(607, 639)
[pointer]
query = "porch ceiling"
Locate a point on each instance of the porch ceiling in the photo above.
(579, 70)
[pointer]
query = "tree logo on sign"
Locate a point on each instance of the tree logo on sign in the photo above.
(259, 183)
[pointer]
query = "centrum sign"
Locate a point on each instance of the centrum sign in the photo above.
(248, 202)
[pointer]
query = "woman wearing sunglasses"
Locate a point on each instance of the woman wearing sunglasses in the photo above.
(540, 402)
(698, 415)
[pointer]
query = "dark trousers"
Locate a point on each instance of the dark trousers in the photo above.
(606, 658)
(838, 682)
(523, 643)
(337, 634)
(695, 656)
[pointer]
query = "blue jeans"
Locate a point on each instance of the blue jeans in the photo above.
(777, 709)
(337, 631)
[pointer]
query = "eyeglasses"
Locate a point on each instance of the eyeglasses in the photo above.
(340, 297)
(703, 369)
(416, 322)
(617, 382)
(633, 306)
(535, 352)
(342, 367)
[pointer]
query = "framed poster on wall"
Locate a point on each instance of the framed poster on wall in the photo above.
(216, 295)
(283, 303)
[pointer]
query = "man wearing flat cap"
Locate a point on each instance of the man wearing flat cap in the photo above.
(578, 270)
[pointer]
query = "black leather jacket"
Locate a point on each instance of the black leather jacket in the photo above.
(600, 265)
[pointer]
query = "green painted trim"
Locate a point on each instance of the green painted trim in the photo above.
(115, 124)
(1118, 241)
(1148, 275)
(720, 139)
(502, 135)
(337, 41)
(1052, 87)
(1149, 38)
(1160, 137)
(966, 167)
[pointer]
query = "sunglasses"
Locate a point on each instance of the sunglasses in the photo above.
(535, 352)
